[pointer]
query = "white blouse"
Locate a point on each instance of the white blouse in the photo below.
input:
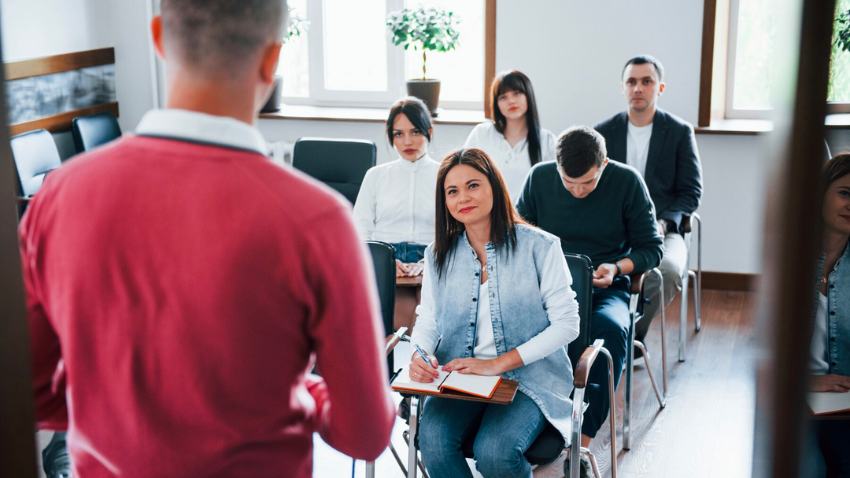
(514, 163)
(396, 202)
(817, 363)
(558, 301)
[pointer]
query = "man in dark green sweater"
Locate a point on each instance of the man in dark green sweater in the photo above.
(601, 209)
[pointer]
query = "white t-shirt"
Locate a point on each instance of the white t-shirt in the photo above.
(817, 364)
(514, 163)
(485, 341)
(396, 202)
(637, 147)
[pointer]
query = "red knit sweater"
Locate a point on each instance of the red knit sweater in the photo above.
(176, 294)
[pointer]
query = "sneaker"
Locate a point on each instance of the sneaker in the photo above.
(585, 469)
(55, 459)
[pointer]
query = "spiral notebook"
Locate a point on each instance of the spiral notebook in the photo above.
(477, 385)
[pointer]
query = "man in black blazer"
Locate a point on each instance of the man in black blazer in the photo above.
(662, 147)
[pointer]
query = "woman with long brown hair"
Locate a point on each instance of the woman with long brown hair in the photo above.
(498, 292)
(514, 138)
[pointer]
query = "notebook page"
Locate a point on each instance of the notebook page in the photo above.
(478, 385)
(403, 381)
(828, 402)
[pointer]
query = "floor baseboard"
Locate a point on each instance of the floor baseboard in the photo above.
(730, 281)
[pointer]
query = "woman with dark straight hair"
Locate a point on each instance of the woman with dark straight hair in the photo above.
(396, 200)
(829, 364)
(513, 139)
(498, 292)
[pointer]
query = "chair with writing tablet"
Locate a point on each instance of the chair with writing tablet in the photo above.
(550, 444)
(339, 163)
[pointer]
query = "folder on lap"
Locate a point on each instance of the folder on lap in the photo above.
(823, 403)
(477, 385)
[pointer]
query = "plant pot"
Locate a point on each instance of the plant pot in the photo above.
(427, 91)
(273, 103)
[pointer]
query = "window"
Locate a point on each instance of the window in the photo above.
(346, 57)
(752, 34)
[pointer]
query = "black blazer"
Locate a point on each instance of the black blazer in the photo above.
(673, 172)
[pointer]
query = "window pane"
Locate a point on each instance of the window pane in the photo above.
(355, 36)
(756, 32)
(460, 71)
(839, 72)
(293, 65)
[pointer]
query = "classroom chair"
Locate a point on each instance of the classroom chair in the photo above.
(549, 445)
(35, 155)
(339, 163)
(696, 276)
(383, 260)
(94, 130)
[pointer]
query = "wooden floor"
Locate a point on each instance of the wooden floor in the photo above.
(706, 430)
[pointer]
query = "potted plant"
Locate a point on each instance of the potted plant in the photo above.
(297, 26)
(425, 29)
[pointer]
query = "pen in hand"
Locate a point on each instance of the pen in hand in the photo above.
(425, 358)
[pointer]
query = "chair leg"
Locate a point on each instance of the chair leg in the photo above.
(370, 469)
(698, 288)
(683, 317)
(585, 451)
(694, 278)
(663, 300)
(398, 459)
(413, 453)
(662, 400)
(575, 446)
(612, 394)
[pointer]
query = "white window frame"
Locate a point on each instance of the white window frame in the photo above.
(396, 71)
(731, 112)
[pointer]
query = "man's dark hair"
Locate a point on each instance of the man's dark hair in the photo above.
(221, 38)
(642, 60)
(416, 112)
(578, 149)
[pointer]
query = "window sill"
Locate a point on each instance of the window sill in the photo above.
(736, 127)
(367, 115)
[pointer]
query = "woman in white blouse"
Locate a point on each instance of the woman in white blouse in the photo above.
(513, 139)
(396, 199)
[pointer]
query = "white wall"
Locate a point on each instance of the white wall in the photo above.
(573, 50)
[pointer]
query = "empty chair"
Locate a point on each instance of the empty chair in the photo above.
(94, 130)
(35, 155)
(383, 258)
(339, 163)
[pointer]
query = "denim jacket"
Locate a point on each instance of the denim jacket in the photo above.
(516, 310)
(838, 314)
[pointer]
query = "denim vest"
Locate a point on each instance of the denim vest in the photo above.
(838, 314)
(516, 309)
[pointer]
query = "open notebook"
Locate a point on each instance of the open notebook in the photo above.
(823, 403)
(478, 385)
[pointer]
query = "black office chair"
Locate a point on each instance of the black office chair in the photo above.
(549, 445)
(339, 163)
(383, 258)
(94, 130)
(35, 155)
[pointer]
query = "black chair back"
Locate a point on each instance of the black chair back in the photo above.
(35, 154)
(383, 258)
(94, 130)
(339, 163)
(581, 269)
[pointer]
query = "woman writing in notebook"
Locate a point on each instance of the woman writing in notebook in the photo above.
(498, 291)
(514, 139)
(830, 350)
(396, 199)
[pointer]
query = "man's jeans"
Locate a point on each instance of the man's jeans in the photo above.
(408, 253)
(506, 432)
(672, 268)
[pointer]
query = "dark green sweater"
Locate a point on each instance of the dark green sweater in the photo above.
(615, 221)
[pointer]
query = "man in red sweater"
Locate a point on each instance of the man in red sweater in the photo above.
(180, 285)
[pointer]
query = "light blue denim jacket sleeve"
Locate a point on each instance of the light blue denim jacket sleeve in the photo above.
(516, 309)
(837, 314)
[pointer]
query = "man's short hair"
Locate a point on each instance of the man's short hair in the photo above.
(578, 149)
(642, 60)
(221, 38)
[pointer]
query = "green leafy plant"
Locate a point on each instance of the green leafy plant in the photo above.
(425, 29)
(298, 25)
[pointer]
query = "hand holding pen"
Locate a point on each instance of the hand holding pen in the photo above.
(423, 368)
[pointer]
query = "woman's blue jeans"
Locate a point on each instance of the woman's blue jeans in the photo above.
(408, 252)
(505, 433)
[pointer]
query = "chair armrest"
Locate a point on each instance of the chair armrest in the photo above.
(585, 362)
(637, 282)
(394, 339)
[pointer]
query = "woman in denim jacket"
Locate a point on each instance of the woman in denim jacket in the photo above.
(498, 292)
(830, 356)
